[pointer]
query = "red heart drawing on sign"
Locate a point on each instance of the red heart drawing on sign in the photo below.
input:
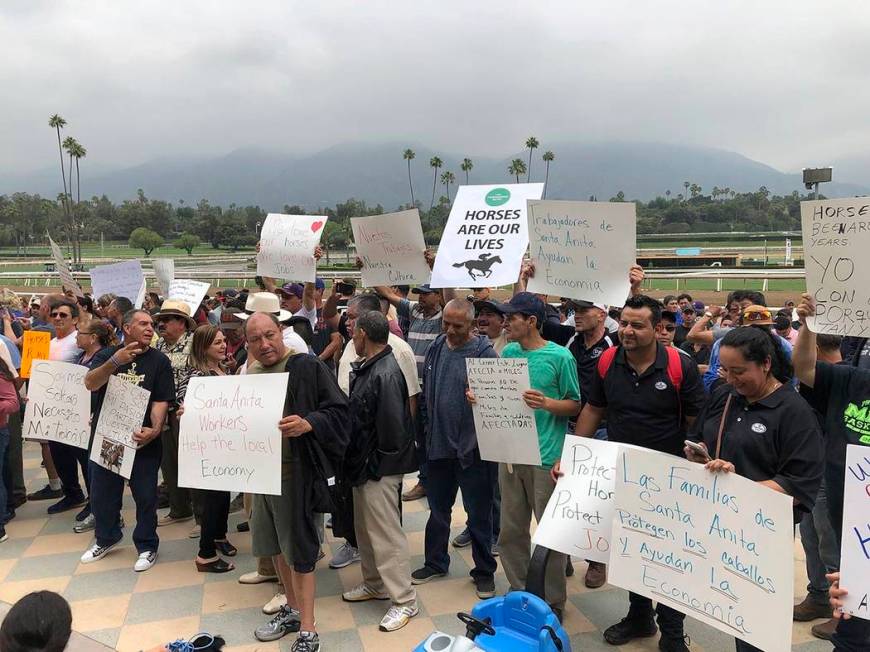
(315, 226)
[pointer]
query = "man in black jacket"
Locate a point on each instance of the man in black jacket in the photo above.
(382, 450)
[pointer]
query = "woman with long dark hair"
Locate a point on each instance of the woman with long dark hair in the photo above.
(8, 405)
(758, 426)
(207, 352)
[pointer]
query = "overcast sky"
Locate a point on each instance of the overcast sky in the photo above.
(781, 81)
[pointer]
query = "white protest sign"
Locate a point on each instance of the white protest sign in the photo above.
(391, 247)
(582, 249)
(124, 279)
(710, 545)
(486, 236)
(836, 239)
(122, 413)
(66, 277)
(229, 438)
(164, 270)
(505, 425)
(190, 292)
(579, 514)
(855, 548)
(58, 403)
(287, 244)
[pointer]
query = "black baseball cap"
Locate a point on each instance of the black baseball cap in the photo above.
(495, 306)
(423, 289)
(525, 303)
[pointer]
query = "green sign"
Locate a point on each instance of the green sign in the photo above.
(498, 196)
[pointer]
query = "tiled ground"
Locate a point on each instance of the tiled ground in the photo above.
(130, 611)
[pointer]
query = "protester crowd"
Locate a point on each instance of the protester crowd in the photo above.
(378, 389)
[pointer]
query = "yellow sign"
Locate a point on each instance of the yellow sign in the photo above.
(35, 347)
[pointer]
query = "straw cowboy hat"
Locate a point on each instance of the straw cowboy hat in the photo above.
(172, 308)
(264, 302)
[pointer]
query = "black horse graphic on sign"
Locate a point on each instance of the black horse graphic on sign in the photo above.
(483, 265)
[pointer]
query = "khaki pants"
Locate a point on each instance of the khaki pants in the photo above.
(383, 547)
(523, 493)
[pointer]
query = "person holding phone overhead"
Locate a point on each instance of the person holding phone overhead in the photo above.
(757, 425)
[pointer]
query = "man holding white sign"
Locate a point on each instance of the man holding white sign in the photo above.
(390, 247)
(286, 246)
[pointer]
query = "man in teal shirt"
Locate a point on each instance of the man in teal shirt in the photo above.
(525, 489)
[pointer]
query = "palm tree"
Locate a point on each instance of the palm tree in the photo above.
(686, 185)
(59, 123)
(434, 163)
(447, 178)
(516, 168)
(70, 144)
(548, 158)
(667, 193)
(409, 156)
(532, 143)
(79, 152)
(466, 166)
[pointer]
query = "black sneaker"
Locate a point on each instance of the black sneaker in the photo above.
(628, 629)
(82, 515)
(66, 503)
(243, 527)
(674, 644)
(46, 493)
(3, 535)
(425, 574)
(484, 587)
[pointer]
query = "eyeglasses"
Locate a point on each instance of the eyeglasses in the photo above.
(60, 315)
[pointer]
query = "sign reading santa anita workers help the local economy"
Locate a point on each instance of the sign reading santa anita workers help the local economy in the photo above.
(287, 244)
(486, 236)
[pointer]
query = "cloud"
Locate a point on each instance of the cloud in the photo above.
(783, 82)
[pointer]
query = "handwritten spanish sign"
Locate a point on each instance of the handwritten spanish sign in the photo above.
(35, 346)
(229, 438)
(855, 549)
(391, 247)
(707, 544)
(190, 292)
(164, 270)
(582, 249)
(287, 244)
(486, 236)
(122, 414)
(836, 237)
(58, 404)
(578, 517)
(124, 279)
(505, 425)
(66, 277)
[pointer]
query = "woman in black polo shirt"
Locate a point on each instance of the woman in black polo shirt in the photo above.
(769, 433)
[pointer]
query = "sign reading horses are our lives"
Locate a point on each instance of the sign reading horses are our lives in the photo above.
(582, 249)
(287, 244)
(486, 236)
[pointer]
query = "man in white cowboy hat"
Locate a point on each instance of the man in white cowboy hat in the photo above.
(270, 303)
(176, 327)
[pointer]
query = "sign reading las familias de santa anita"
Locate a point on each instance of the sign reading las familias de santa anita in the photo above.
(486, 236)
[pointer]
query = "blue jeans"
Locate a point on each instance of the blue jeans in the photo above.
(477, 483)
(107, 491)
(4, 444)
(820, 547)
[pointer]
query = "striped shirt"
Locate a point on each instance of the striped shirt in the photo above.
(422, 331)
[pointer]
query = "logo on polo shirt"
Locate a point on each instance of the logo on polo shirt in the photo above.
(596, 352)
(759, 428)
(661, 385)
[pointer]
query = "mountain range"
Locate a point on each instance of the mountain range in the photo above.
(377, 173)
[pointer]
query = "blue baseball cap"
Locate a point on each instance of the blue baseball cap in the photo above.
(319, 284)
(525, 303)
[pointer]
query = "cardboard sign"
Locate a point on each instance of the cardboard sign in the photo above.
(35, 346)
(190, 292)
(287, 244)
(66, 277)
(505, 425)
(486, 236)
(164, 270)
(579, 513)
(122, 414)
(58, 404)
(855, 548)
(229, 438)
(124, 279)
(710, 545)
(582, 249)
(836, 238)
(391, 247)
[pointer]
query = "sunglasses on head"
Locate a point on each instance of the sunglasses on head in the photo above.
(756, 315)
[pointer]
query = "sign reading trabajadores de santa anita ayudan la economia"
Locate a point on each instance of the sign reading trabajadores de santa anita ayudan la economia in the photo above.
(486, 236)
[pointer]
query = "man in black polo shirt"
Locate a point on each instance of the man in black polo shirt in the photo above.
(137, 363)
(643, 407)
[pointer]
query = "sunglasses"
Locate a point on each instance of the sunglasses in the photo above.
(756, 315)
(60, 315)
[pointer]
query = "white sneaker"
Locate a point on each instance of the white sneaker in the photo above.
(274, 605)
(146, 560)
(361, 593)
(96, 552)
(398, 616)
